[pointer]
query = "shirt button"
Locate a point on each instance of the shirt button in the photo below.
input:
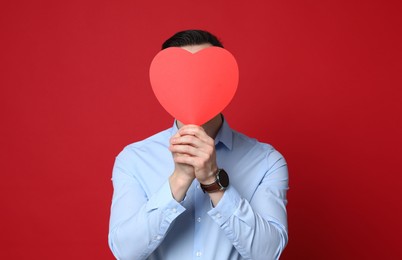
(218, 215)
(198, 219)
(174, 210)
(198, 186)
(158, 237)
(198, 254)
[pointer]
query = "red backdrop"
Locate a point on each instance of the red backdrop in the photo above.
(320, 80)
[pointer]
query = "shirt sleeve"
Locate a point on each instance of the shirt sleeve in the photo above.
(257, 228)
(138, 224)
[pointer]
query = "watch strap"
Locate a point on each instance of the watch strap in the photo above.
(215, 186)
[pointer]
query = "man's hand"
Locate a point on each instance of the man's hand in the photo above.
(192, 147)
(182, 176)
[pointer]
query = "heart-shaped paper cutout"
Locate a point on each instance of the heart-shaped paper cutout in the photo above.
(194, 87)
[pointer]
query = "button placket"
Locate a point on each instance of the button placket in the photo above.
(199, 201)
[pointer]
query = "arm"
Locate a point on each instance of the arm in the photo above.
(258, 229)
(192, 147)
(138, 224)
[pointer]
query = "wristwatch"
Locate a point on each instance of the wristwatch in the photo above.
(221, 182)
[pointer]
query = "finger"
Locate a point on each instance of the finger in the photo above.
(191, 129)
(186, 149)
(198, 157)
(196, 131)
(176, 155)
(174, 137)
(204, 149)
(184, 159)
(177, 134)
(187, 139)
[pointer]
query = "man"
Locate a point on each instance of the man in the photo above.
(193, 192)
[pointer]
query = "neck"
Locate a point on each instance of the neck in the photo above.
(211, 127)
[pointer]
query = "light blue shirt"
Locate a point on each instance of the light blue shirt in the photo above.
(249, 221)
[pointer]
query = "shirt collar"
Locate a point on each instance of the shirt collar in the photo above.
(224, 136)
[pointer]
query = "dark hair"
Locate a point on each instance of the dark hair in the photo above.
(191, 37)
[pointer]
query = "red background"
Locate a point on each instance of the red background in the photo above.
(320, 80)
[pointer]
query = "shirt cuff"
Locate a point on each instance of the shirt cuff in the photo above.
(226, 207)
(164, 201)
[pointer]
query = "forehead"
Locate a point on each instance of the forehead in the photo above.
(195, 48)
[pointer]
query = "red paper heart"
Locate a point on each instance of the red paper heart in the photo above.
(194, 88)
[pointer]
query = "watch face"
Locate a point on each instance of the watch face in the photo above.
(223, 178)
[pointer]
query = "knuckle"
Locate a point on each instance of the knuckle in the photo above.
(210, 150)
